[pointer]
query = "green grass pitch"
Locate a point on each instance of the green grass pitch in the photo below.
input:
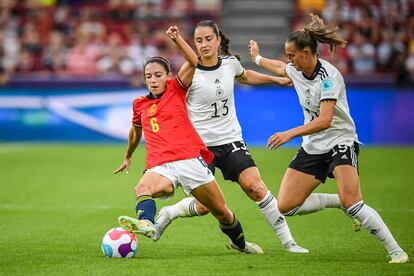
(57, 201)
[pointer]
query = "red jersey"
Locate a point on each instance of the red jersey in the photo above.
(169, 134)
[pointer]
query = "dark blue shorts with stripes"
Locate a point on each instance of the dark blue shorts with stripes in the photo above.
(322, 165)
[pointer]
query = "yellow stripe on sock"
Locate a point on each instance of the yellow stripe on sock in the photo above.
(142, 198)
(229, 226)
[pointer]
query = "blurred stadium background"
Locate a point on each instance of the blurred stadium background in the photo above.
(68, 73)
(69, 68)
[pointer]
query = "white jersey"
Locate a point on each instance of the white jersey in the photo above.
(210, 102)
(326, 83)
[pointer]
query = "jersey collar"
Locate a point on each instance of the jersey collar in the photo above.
(210, 68)
(315, 73)
(152, 97)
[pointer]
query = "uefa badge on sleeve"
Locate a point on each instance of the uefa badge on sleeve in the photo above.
(326, 85)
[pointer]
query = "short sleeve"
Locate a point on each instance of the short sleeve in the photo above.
(289, 67)
(177, 85)
(136, 116)
(238, 68)
(330, 88)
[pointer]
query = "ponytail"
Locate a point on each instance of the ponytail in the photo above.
(316, 31)
(224, 46)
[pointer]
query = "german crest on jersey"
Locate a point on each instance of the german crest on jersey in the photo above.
(219, 91)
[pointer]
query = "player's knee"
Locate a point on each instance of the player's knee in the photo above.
(142, 189)
(255, 188)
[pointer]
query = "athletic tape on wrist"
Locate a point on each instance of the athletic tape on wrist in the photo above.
(258, 59)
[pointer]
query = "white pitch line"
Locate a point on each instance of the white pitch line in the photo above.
(11, 148)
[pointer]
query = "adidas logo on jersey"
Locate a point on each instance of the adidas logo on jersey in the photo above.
(344, 157)
(217, 81)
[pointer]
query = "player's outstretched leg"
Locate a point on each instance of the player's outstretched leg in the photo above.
(184, 208)
(144, 225)
(373, 222)
(268, 207)
(316, 202)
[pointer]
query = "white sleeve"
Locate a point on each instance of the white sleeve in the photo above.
(330, 88)
(238, 68)
(289, 70)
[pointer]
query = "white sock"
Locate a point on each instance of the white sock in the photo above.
(373, 222)
(184, 208)
(317, 202)
(268, 207)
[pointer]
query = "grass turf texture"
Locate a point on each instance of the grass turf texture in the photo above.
(57, 201)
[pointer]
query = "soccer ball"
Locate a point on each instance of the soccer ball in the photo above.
(119, 243)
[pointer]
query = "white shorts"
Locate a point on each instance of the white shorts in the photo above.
(189, 174)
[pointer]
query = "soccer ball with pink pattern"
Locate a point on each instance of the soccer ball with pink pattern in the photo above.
(119, 243)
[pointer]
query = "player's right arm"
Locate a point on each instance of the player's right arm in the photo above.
(134, 137)
(276, 66)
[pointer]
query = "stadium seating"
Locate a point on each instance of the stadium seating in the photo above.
(64, 38)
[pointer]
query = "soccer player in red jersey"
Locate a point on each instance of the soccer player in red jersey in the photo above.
(176, 155)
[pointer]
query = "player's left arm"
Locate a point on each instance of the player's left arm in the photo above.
(323, 121)
(134, 137)
(186, 73)
(252, 77)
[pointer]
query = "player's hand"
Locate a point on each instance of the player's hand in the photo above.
(254, 50)
(278, 139)
(124, 166)
(173, 32)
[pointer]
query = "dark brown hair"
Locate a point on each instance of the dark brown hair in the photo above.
(160, 60)
(224, 45)
(316, 31)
